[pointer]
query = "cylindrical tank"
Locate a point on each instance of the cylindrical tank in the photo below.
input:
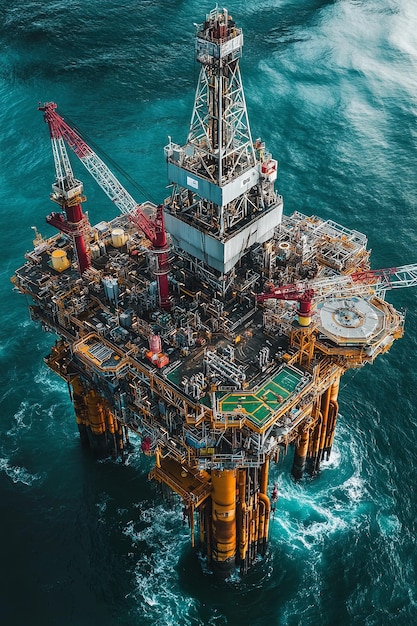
(284, 250)
(118, 237)
(59, 260)
(126, 319)
(155, 344)
(115, 289)
(111, 288)
(95, 251)
(304, 313)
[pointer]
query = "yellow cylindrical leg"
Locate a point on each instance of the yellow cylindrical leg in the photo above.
(223, 521)
(300, 456)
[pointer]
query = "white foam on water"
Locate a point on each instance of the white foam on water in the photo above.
(101, 506)
(312, 511)
(158, 539)
(23, 418)
(403, 36)
(389, 524)
(334, 460)
(18, 474)
(306, 521)
(49, 382)
(25, 323)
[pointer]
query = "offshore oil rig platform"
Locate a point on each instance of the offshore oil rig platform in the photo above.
(212, 325)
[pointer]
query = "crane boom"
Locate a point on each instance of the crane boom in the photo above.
(357, 283)
(153, 229)
(389, 278)
(61, 131)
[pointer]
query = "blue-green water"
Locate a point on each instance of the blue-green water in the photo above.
(331, 87)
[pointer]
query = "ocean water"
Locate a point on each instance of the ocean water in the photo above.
(331, 88)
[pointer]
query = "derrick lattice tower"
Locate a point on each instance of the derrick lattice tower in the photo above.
(223, 199)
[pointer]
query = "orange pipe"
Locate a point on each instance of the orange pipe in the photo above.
(261, 522)
(267, 503)
(335, 390)
(264, 476)
(325, 402)
(334, 410)
(243, 539)
(242, 485)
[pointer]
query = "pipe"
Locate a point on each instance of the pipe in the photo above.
(261, 527)
(242, 485)
(313, 460)
(202, 525)
(191, 519)
(243, 535)
(333, 413)
(266, 501)
(264, 476)
(208, 533)
(335, 390)
(300, 456)
(325, 413)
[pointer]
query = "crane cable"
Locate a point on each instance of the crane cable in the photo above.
(108, 159)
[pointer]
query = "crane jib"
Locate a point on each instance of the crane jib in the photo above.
(379, 279)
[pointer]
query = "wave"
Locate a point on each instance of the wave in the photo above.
(23, 418)
(157, 541)
(19, 474)
(50, 382)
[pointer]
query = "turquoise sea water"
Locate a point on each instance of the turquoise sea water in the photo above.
(331, 88)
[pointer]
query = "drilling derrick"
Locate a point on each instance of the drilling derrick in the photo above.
(241, 358)
(223, 199)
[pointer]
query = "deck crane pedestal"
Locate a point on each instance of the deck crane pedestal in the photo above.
(67, 191)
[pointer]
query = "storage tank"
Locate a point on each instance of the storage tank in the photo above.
(118, 237)
(95, 251)
(284, 250)
(111, 288)
(59, 260)
(126, 319)
(155, 344)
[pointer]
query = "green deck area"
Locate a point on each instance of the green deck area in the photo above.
(259, 406)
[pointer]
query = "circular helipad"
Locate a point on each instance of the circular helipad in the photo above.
(349, 320)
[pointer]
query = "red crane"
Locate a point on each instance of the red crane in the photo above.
(153, 229)
(355, 284)
(67, 191)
